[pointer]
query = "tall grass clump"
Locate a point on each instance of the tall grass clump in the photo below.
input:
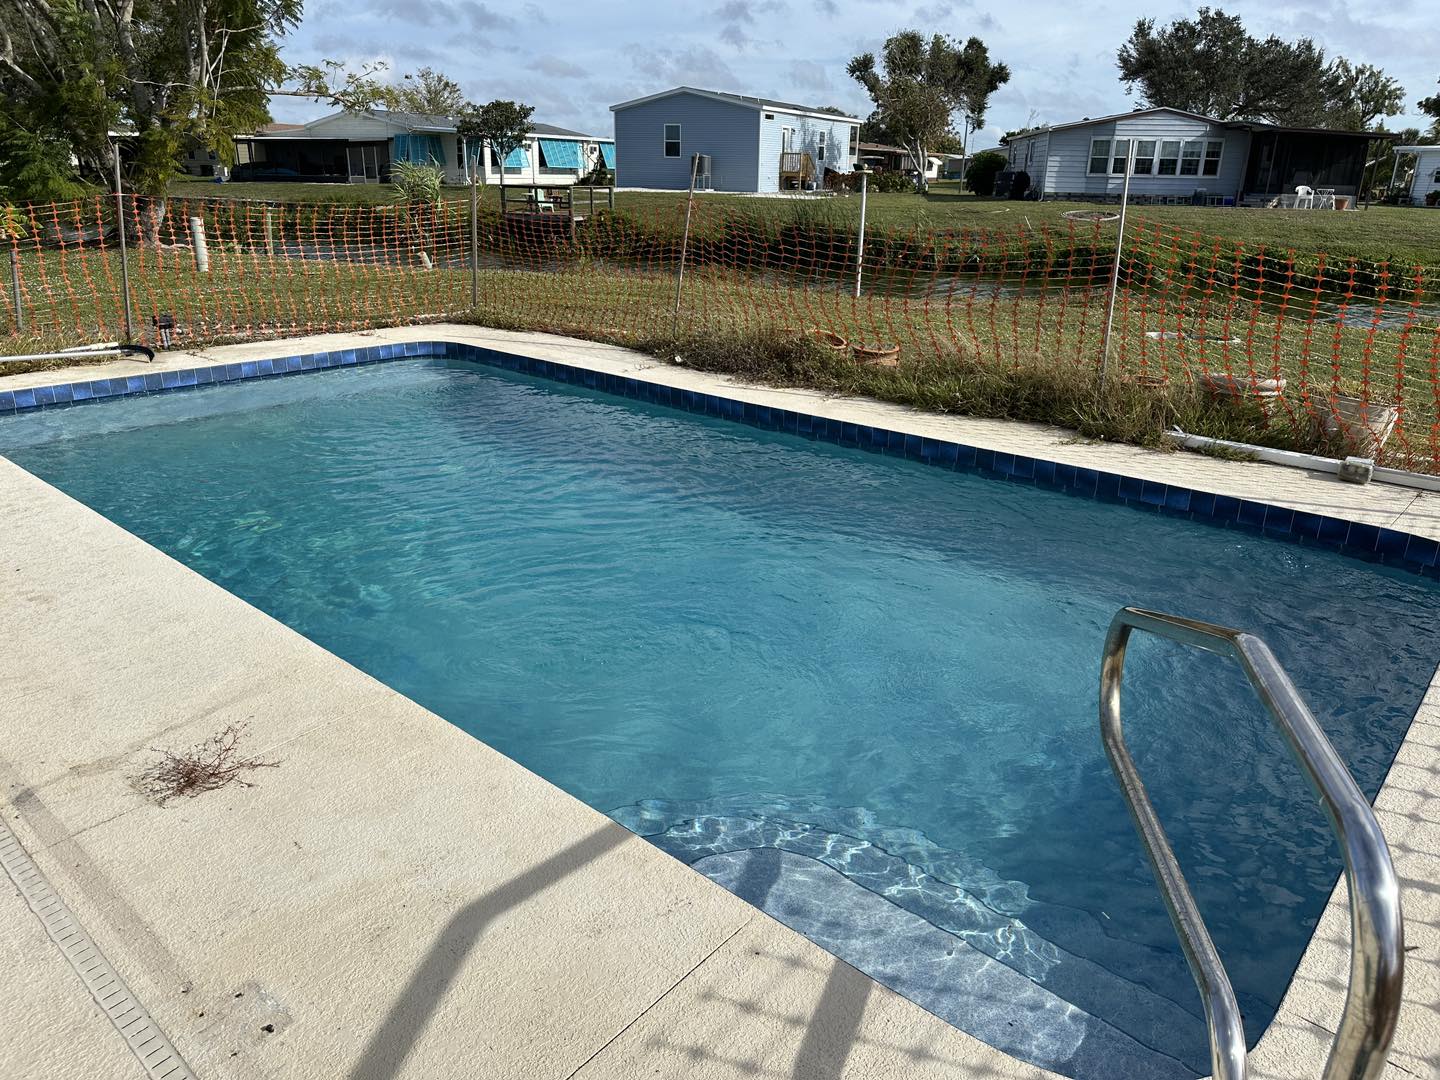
(1070, 397)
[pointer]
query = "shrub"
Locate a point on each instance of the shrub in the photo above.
(980, 173)
(416, 183)
(891, 181)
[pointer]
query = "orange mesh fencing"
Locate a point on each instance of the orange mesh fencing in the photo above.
(1349, 344)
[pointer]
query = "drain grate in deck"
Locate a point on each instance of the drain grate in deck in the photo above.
(141, 1033)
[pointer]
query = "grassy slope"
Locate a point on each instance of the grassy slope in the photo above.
(1405, 235)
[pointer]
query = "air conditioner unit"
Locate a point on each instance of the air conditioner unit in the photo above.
(702, 172)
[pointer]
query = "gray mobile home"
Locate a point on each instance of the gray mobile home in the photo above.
(1185, 157)
(750, 143)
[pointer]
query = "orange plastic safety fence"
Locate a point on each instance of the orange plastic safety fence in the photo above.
(1305, 338)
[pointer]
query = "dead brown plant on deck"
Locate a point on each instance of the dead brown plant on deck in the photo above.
(206, 766)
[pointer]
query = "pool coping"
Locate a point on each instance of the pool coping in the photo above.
(1295, 1042)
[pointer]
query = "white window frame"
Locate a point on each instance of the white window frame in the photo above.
(666, 141)
(1192, 151)
(820, 146)
(1161, 157)
(1090, 169)
(1119, 156)
(1205, 158)
(1149, 158)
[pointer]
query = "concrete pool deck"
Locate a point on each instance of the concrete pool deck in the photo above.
(396, 899)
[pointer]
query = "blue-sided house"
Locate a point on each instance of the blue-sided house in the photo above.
(1185, 157)
(361, 146)
(746, 143)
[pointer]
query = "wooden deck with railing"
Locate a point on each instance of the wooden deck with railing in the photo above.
(796, 168)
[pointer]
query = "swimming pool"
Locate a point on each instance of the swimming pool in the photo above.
(823, 677)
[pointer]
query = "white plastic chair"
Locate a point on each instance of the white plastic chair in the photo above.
(1304, 198)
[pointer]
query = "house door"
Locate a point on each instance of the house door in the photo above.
(787, 140)
(364, 164)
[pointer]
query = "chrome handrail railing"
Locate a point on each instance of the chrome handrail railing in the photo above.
(1377, 948)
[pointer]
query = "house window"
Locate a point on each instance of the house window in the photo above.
(820, 148)
(672, 140)
(1099, 157)
(1213, 149)
(769, 116)
(854, 142)
(1190, 156)
(1120, 157)
(1169, 161)
(1144, 157)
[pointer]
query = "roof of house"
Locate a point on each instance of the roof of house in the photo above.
(423, 122)
(1418, 148)
(1238, 125)
(1287, 129)
(739, 99)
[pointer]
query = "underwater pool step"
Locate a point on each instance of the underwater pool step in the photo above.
(1085, 980)
(935, 969)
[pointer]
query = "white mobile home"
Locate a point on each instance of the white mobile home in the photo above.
(360, 147)
(1425, 183)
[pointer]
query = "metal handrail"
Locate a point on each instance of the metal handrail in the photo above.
(1377, 946)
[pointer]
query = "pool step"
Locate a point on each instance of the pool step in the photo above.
(960, 905)
(937, 970)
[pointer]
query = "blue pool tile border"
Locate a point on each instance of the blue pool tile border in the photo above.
(1373, 543)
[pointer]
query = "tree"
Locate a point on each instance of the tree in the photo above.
(985, 79)
(501, 125)
(1361, 94)
(1430, 106)
(980, 175)
(1211, 65)
(169, 72)
(920, 84)
(427, 91)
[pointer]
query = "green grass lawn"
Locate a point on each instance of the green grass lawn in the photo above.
(1402, 235)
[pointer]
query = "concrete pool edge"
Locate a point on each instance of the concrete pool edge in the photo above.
(1293, 1042)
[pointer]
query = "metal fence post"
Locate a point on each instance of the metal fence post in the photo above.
(124, 250)
(1115, 269)
(474, 240)
(15, 291)
(860, 242)
(684, 244)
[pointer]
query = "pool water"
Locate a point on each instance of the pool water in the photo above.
(857, 690)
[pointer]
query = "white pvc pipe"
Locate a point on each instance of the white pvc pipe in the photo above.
(197, 239)
(1295, 460)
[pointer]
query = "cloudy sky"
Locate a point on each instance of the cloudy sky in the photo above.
(572, 60)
